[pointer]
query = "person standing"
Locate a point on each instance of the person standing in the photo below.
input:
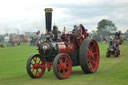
(55, 33)
(75, 29)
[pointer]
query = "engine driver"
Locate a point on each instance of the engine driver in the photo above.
(75, 29)
(113, 44)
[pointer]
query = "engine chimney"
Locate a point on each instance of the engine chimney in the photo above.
(48, 18)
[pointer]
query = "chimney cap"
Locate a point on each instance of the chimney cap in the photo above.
(48, 9)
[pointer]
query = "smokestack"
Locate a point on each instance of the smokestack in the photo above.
(48, 18)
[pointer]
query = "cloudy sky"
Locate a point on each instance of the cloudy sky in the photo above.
(28, 15)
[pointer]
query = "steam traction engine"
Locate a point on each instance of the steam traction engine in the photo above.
(72, 50)
(113, 49)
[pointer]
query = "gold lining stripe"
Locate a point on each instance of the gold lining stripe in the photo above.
(48, 10)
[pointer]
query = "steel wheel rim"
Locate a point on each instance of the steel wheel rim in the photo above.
(37, 66)
(64, 66)
(93, 56)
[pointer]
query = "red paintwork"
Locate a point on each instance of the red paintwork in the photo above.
(38, 66)
(37, 63)
(93, 56)
(64, 67)
(49, 65)
(68, 45)
(113, 54)
(65, 47)
(82, 34)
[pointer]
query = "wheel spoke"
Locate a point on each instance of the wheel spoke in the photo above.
(66, 60)
(89, 50)
(59, 66)
(95, 53)
(94, 62)
(34, 60)
(89, 57)
(64, 72)
(91, 66)
(60, 60)
(89, 53)
(92, 47)
(93, 57)
(36, 71)
(32, 70)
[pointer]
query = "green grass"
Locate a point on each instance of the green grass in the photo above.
(112, 71)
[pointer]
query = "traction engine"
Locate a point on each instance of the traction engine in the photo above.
(113, 49)
(73, 49)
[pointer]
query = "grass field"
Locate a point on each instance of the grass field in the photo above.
(112, 71)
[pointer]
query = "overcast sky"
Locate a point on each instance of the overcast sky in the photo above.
(28, 15)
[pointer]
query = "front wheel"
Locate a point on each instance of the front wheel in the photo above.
(35, 66)
(62, 66)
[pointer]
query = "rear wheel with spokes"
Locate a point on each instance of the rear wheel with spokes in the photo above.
(89, 56)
